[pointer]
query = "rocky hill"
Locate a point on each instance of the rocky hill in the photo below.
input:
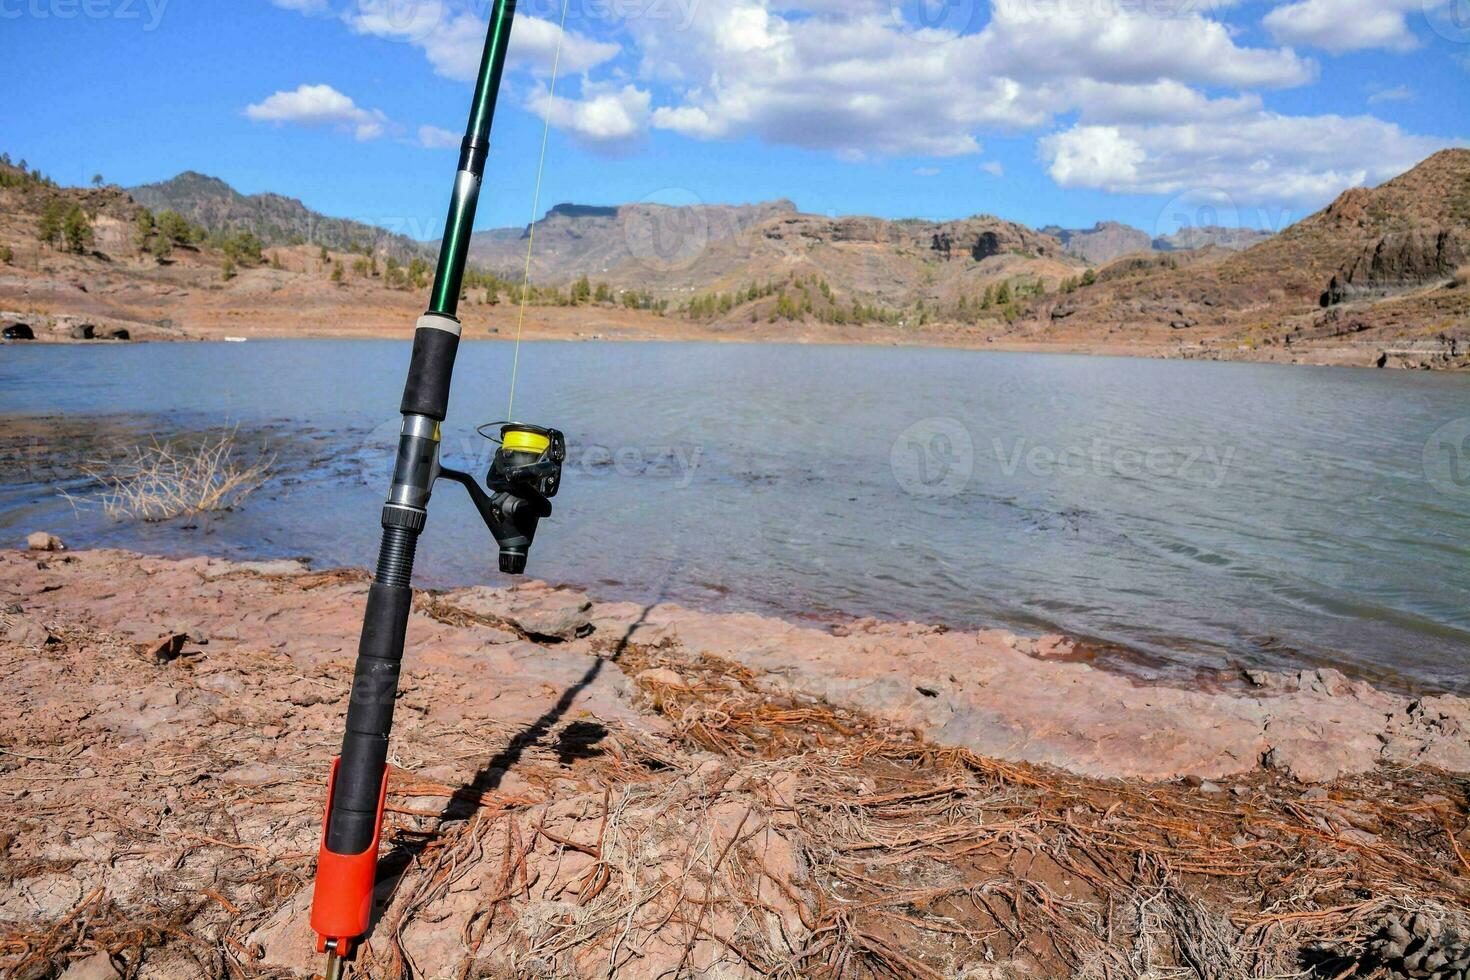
(1383, 263)
(1206, 236)
(675, 252)
(1110, 240)
(1380, 276)
(273, 218)
(1103, 242)
(631, 239)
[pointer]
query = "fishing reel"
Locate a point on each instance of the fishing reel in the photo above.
(524, 475)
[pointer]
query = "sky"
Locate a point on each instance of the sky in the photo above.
(1158, 113)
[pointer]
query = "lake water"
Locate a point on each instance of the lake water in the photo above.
(1206, 515)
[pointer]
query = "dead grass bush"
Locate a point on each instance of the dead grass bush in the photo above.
(160, 481)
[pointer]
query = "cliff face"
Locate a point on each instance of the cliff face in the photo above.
(1102, 243)
(575, 239)
(1400, 261)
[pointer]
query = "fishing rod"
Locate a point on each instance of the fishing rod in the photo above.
(525, 473)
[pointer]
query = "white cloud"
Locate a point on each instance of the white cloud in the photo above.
(1157, 96)
(319, 105)
(1093, 156)
(1396, 93)
(861, 82)
(1129, 43)
(1347, 25)
(454, 40)
(1162, 101)
(1258, 157)
(604, 117)
(312, 7)
(926, 171)
(435, 138)
(853, 85)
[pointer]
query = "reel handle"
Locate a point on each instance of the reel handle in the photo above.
(511, 517)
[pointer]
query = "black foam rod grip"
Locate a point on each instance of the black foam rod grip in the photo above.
(429, 373)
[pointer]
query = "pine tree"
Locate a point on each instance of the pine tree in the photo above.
(175, 227)
(76, 229)
(1089, 277)
(53, 215)
(143, 228)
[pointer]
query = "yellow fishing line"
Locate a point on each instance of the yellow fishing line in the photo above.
(515, 365)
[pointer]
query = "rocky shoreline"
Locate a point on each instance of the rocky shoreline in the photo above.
(570, 326)
(999, 694)
(570, 775)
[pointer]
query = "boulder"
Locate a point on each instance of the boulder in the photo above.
(83, 331)
(41, 541)
(540, 612)
(28, 633)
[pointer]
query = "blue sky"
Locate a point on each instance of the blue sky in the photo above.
(1153, 112)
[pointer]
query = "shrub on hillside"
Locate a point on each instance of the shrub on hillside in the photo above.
(76, 230)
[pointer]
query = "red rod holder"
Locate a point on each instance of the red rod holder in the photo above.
(342, 906)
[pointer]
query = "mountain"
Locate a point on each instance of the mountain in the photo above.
(676, 251)
(273, 218)
(1376, 262)
(1110, 240)
(1205, 236)
(1103, 242)
(578, 239)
